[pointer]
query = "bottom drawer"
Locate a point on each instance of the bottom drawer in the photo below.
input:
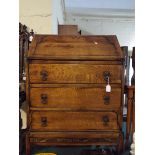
(73, 121)
(75, 138)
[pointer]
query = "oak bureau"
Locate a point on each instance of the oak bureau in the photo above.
(75, 91)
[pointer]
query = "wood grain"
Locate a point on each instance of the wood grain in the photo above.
(74, 138)
(78, 98)
(73, 121)
(74, 73)
(74, 46)
(66, 94)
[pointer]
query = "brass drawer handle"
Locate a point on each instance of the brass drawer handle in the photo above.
(43, 121)
(106, 75)
(106, 100)
(105, 119)
(44, 75)
(44, 98)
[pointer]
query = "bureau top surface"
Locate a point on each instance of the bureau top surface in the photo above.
(54, 47)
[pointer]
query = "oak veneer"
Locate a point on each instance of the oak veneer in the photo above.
(86, 98)
(66, 80)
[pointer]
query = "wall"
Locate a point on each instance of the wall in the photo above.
(58, 15)
(42, 16)
(123, 27)
(37, 15)
(117, 4)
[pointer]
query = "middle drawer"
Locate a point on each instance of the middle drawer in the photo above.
(75, 98)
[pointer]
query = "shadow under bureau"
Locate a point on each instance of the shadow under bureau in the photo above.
(75, 91)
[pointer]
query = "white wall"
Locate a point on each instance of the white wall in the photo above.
(58, 15)
(117, 4)
(41, 15)
(37, 15)
(122, 27)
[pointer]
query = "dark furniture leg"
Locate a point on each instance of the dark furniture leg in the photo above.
(120, 146)
(130, 114)
(28, 147)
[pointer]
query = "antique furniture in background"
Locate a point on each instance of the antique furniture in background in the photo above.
(130, 127)
(130, 90)
(75, 88)
(126, 64)
(133, 66)
(22, 98)
(25, 38)
(126, 76)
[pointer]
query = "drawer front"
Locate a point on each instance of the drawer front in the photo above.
(73, 121)
(74, 73)
(75, 138)
(75, 98)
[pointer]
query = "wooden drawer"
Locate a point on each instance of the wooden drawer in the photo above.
(75, 138)
(75, 97)
(73, 121)
(73, 73)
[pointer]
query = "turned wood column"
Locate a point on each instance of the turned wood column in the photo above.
(130, 127)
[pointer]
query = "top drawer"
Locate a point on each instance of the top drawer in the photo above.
(74, 73)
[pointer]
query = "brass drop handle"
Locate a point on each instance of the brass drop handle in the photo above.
(106, 100)
(44, 98)
(43, 121)
(105, 119)
(44, 75)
